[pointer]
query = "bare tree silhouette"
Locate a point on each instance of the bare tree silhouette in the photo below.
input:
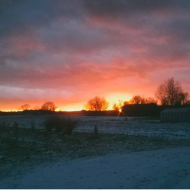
(171, 93)
(24, 107)
(183, 98)
(150, 100)
(48, 106)
(137, 100)
(37, 108)
(97, 104)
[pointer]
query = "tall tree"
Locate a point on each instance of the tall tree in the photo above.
(97, 104)
(169, 92)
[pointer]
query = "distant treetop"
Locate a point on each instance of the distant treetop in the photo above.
(48, 106)
(97, 104)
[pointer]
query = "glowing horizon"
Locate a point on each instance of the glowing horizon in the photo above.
(79, 106)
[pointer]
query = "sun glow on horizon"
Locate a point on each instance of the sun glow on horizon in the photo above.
(116, 97)
(69, 110)
(10, 110)
(112, 99)
(71, 107)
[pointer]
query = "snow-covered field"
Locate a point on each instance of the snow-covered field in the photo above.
(137, 153)
(168, 168)
(135, 126)
(114, 125)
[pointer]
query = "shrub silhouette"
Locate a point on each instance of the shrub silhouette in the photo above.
(49, 124)
(61, 124)
(69, 125)
(14, 125)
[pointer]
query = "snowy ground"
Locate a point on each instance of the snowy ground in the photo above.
(137, 153)
(113, 125)
(168, 168)
(135, 126)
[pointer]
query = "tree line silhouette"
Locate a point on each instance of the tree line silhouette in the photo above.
(47, 106)
(169, 93)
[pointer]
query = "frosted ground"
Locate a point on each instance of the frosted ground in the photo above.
(114, 125)
(137, 153)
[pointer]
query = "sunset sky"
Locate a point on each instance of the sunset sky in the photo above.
(69, 51)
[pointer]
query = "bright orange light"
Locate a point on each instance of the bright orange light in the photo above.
(111, 98)
(74, 106)
(13, 110)
(115, 97)
(71, 107)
